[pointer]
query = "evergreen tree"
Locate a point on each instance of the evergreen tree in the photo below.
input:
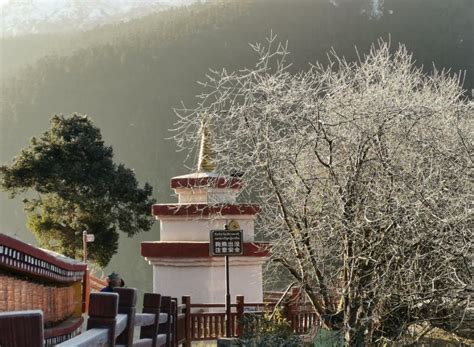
(79, 188)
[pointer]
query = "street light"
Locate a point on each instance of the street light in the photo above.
(86, 288)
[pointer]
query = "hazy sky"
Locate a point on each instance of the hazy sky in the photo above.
(2, 2)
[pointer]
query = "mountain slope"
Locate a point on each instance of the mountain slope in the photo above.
(21, 17)
(31, 29)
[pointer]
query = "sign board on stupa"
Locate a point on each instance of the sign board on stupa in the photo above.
(226, 242)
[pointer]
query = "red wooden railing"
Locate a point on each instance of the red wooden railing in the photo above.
(206, 321)
(211, 324)
(302, 319)
(96, 284)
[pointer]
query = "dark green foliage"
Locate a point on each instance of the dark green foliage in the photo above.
(79, 188)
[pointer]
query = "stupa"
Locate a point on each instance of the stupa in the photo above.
(181, 259)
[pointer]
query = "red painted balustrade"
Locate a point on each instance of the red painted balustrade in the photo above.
(204, 322)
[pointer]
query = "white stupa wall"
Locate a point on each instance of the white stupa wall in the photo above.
(198, 228)
(203, 278)
(188, 280)
(207, 195)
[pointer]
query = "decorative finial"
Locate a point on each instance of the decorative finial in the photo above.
(206, 154)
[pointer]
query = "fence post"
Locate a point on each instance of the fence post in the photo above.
(186, 300)
(21, 328)
(288, 313)
(166, 307)
(239, 299)
(151, 304)
(174, 310)
(127, 305)
(293, 306)
(103, 309)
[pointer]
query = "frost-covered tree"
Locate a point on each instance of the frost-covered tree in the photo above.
(364, 174)
(78, 187)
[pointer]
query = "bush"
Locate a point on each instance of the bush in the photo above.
(265, 330)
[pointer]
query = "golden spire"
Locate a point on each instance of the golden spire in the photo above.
(206, 154)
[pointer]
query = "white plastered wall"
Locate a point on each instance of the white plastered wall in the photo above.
(188, 229)
(206, 195)
(206, 284)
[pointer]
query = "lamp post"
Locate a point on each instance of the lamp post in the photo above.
(85, 282)
(84, 245)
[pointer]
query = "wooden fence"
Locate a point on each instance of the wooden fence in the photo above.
(96, 284)
(207, 321)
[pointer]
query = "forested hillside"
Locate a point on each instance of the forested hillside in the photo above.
(129, 76)
(20, 51)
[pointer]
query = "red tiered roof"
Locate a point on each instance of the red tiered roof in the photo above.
(205, 179)
(204, 209)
